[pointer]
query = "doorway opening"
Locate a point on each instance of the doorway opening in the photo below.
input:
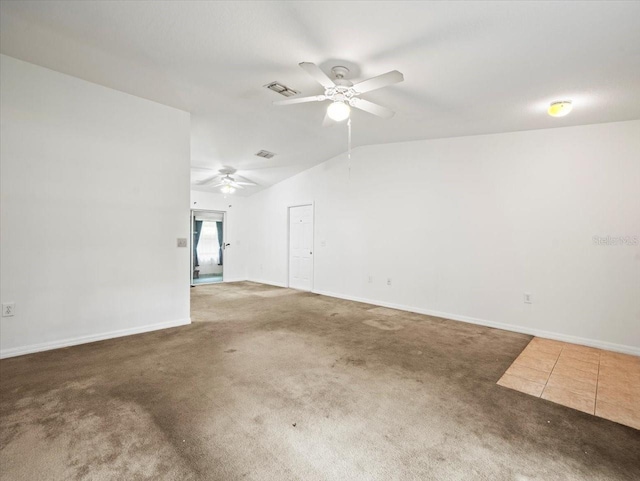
(207, 241)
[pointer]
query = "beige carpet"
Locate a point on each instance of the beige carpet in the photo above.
(273, 384)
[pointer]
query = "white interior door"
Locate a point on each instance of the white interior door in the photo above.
(301, 247)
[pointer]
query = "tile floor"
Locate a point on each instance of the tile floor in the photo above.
(207, 279)
(598, 382)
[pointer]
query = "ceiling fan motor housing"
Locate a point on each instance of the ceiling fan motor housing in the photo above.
(340, 72)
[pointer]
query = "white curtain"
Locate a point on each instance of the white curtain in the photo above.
(208, 246)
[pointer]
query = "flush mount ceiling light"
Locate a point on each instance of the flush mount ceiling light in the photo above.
(560, 108)
(338, 111)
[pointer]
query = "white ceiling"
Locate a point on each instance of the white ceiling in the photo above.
(470, 68)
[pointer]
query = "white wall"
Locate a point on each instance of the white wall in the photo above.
(462, 226)
(234, 207)
(465, 226)
(95, 191)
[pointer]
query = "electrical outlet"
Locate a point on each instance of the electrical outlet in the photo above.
(527, 298)
(388, 281)
(8, 309)
(370, 279)
(323, 243)
(182, 242)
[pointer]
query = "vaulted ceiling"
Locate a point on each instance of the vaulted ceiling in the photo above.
(470, 67)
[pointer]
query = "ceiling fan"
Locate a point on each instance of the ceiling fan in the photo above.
(343, 94)
(226, 179)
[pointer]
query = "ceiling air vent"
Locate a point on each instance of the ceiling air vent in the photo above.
(265, 154)
(282, 89)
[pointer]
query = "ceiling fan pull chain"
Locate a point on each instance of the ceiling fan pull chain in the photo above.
(349, 146)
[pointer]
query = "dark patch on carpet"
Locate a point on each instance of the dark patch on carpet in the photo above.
(419, 402)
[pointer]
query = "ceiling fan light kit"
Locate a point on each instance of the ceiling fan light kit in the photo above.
(338, 111)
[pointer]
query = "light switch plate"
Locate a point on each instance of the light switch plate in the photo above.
(182, 242)
(8, 309)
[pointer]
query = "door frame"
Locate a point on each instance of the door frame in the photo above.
(224, 239)
(313, 241)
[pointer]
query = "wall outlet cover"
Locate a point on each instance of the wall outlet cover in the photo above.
(182, 242)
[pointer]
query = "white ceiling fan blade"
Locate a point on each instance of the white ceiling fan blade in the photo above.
(320, 77)
(372, 108)
(206, 181)
(244, 181)
(378, 82)
(301, 100)
(219, 184)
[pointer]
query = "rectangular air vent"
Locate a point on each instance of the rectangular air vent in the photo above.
(265, 154)
(282, 89)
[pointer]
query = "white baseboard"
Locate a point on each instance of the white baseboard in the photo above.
(269, 283)
(610, 346)
(46, 346)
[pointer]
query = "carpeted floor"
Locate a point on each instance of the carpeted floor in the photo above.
(273, 384)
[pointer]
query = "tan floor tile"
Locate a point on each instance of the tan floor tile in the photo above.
(621, 355)
(536, 351)
(574, 373)
(608, 358)
(619, 383)
(580, 348)
(522, 385)
(619, 374)
(577, 364)
(535, 362)
(533, 351)
(580, 355)
(620, 364)
(541, 345)
(547, 342)
(619, 396)
(582, 387)
(528, 373)
(618, 414)
(570, 399)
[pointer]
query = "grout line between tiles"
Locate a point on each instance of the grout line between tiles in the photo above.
(554, 366)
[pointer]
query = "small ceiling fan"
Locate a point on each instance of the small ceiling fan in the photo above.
(343, 94)
(224, 179)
